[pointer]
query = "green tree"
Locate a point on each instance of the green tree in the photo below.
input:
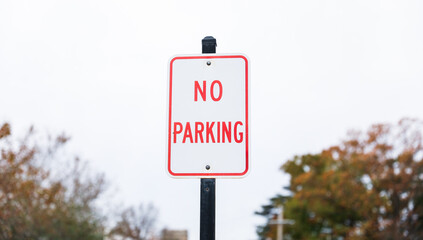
(268, 211)
(368, 187)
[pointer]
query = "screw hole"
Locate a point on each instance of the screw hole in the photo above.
(207, 167)
(208, 63)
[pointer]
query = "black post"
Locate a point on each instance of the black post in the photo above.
(208, 209)
(208, 185)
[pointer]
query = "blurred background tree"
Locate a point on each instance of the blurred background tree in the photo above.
(46, 197)
(136, 224)
(368, 187)
(39, 201)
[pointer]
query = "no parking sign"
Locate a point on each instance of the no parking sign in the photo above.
(208, 116)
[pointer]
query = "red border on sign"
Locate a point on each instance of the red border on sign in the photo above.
(170, 121)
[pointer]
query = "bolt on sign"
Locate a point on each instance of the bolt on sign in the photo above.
(208, 116)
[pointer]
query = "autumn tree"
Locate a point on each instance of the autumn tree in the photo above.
(47, 195)
(368, 187)
(39, 201)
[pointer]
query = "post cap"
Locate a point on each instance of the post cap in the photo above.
(209, 44)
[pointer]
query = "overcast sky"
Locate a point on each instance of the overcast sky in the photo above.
(97, 70)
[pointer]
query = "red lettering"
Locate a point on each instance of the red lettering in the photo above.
(199, 131)
(175, 131)
(209, 132)
(187, 133)
(212, 90)
(226, 131)
(218, 132)
(241, 134)
(197, 89)
(204, 132)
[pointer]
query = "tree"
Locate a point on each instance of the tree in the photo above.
(368, 187)
(269, 212)
(38, 201)
(136, 224)
(45, 195)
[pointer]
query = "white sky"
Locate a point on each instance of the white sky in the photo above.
(97, 70)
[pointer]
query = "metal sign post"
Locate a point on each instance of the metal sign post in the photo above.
(208, 185)
(207, 209)
(208, 122)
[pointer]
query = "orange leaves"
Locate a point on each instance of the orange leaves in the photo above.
(303, 178)
(4, 130)
(35, 205)
(368, 187)
(377, 132)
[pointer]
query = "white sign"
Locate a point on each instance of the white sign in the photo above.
(208, 116)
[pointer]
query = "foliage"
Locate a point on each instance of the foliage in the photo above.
(43, 196)
(368, 187)
(38, 202)
(136, 224)
(269, 211)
